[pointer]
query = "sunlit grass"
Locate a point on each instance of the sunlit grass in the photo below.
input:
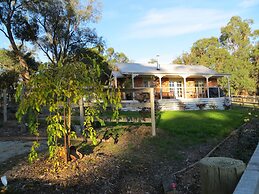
(202, 126)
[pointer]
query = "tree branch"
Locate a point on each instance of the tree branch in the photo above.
(45, 52)
(4, 33)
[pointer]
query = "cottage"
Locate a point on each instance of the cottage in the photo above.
(176, 86)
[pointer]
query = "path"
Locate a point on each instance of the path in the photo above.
(9, 149)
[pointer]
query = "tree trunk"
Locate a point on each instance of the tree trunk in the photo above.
(69, 122)
(220, 175)
(82, 113)
(66, 148)
(25, 75)
(25, 69)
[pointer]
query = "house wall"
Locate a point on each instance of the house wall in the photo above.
(190, 84)
(190, 90)
(138, 81)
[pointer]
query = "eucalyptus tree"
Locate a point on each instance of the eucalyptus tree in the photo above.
(232, 52)
(255, 59)
(115, 57)
(185, 59)
(236, 38)
(18, 28)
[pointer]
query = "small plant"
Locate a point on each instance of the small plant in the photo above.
(227, 104)
(213, 106)
(144, 112)
(33, 155)
(182, 106)
(201, 106)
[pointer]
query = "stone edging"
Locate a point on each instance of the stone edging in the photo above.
(249, 182)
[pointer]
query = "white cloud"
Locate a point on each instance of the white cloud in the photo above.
(171, 22)
(248, 3)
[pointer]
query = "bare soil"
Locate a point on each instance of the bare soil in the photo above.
(134, 164)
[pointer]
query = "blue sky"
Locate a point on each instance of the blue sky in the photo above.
(144, 28)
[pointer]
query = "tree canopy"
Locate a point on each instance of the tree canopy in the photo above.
(113, 57)
(234, 51)
(8, 70)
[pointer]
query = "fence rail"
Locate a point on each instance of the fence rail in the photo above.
(246, 100)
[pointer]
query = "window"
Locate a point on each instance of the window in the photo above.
(176, 87)
(199, 88)
(216, 92)
(171, 86)
(180, 89)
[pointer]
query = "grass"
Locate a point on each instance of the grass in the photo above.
(192, 127)
(182, 129)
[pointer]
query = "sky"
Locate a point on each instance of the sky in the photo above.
(143, 29)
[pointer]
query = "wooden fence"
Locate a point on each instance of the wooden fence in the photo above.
(150, 104)
(3, 104)
(246, 100)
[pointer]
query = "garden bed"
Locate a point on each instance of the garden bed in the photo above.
(135, 163)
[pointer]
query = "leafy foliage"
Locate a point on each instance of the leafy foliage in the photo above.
(233, 52)
(58, 87)
(8, 70)
(115, 57)
(33, 154)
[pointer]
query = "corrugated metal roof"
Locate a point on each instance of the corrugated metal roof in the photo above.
(139, 68)
(117, 74)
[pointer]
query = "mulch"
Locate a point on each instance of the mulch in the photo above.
(127, 166)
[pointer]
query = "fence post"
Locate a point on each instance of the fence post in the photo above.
(153, 119)
(5, 105)
(81, 109)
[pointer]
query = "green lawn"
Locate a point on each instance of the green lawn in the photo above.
(191, 127)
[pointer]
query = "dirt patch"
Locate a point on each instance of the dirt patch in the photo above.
(134, 163)
(240, 145)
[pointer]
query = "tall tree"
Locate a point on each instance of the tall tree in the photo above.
(236, 38)
(255, 59)
(115, 57)
(185, 59)
(63, 28)
(18, 28)
(233, 52)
